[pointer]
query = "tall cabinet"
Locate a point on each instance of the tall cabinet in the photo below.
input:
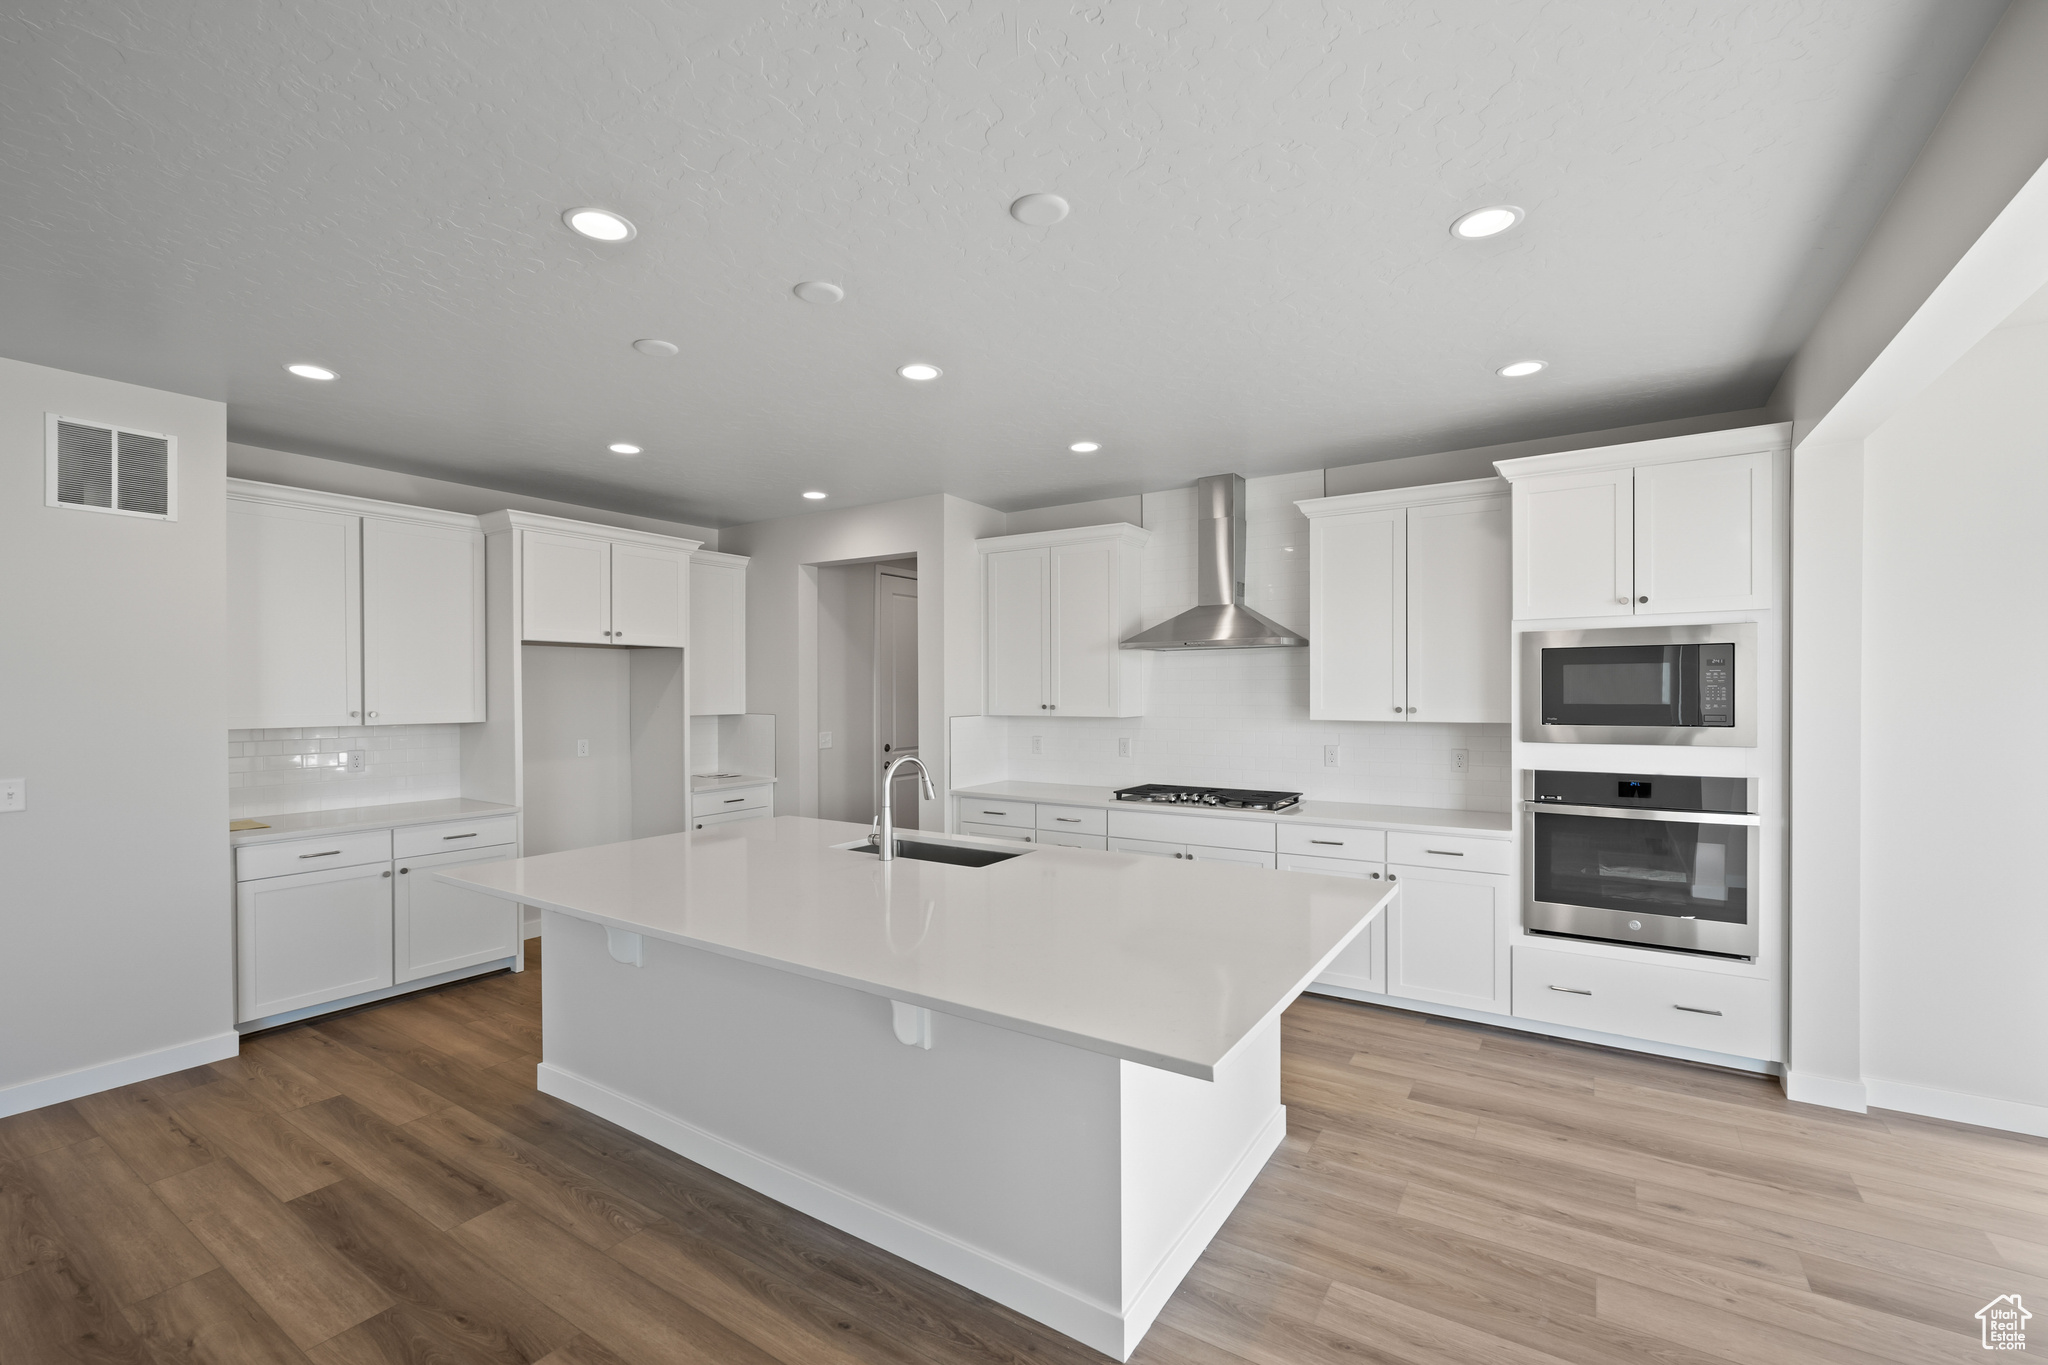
(718, 633)
(1057, 604)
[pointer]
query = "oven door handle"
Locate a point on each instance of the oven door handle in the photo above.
(1683, 817)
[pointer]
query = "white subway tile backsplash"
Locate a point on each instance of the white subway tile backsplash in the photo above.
(285, 772)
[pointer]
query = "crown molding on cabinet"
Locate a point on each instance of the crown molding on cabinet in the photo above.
(534, 521)
(1665, 450)
(1422, 495)
(1121, 531)
(715, 557)
(279, 495)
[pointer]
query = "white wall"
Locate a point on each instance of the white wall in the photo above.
(846, 692)
(115, 910)
(571, 694)
(1955, 740)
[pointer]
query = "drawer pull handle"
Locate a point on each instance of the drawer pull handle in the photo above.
(995, 812)
(471, 835)
(1068, 819)
(1443, 853)
(1695, 1009)
(734, 800)
(330, 853)
(1572, 990)
(1338, 842)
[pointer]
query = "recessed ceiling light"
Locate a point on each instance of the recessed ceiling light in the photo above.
(1039, 210)
(312, 371)
(1085, 447)
(814, 495)
(818, 291)
(623, 448)
(1488, 222)
(920, 371)
(655, 346)
(600, 225)
(1519, 369)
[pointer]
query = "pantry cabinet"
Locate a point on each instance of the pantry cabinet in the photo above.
(345, 611)
(619, 589)
(718, 634)
(1056, 606)
(1408, 604)
(1650, 529)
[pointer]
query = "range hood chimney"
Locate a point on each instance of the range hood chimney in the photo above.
(1222, 620)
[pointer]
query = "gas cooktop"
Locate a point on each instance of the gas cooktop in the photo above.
(1233, 798)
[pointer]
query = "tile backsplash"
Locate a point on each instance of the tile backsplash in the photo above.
(284, 772)
(1240, 717)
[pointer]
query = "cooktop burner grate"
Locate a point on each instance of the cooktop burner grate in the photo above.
(1232, 798)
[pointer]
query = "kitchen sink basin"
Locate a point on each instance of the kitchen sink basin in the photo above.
(959, 855)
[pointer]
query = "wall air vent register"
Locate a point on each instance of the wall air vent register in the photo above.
(97, 468)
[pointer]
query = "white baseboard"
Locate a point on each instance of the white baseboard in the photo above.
(1086, 1319)
(1145, 1305)
(1808, 1088)
(2014, 1116)
(19, 1099)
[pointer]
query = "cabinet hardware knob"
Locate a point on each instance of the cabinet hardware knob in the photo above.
(1392, 878)
(1054, 707)
(1411, 710)
(617, 634)
(1397, 710)
(1642, 599)
(1622, 600)
(352, 715)
(373, 715)
(387, 871)
(1375, 876)
(403, 870)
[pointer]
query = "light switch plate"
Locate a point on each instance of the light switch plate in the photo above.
(1038, 744)
(824, 739)
(13, 793)
(583, 748)
(1123, 746)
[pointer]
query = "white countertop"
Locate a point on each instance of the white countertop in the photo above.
(711, 782)
(365, 817)
(1162, 963)
(1422, 819)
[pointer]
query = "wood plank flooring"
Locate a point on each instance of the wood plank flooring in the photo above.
(389, 1187)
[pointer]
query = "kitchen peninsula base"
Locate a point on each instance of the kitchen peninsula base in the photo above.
(1075, 1187)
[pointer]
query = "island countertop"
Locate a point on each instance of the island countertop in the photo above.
(1166, 964)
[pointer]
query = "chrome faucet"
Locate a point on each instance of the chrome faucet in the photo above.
(885, 824)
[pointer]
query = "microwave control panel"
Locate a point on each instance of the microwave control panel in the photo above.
(1717, 684)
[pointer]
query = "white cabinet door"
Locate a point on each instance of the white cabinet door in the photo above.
(1016, 625)
(436, 927)
(1703, 534)
(1447, 938)
(1150, 848)
(1458, 612)
(567, 585)
(1203, 853)
(312, 937)
(423, 623)
(650, 596)
(1575, 545)
(718, 639)
(1362, 966)
(1358, 616)
(1085, 658)
(295, 621)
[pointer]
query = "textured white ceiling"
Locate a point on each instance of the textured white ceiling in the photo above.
(1256, 274)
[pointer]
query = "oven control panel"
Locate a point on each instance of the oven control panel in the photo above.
(1717, 684)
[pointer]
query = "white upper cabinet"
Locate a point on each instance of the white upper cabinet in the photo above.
(423, 612)
(1056, 605)
(718, 634)
(345, 611)
(650, 595)
(1408, 604)
(592, 585)
(1660, 527)
(295, 620)
(566, 589)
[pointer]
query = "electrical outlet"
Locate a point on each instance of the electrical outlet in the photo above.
(1038, 744)
(824, 739)
(1461, 759)
(1331, 754)
(583, 748)
(13, 793)
(1123, 747)
(356, 761)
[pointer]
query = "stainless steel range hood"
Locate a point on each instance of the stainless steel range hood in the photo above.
(1222, 620)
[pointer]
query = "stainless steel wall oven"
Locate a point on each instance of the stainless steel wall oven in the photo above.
(1641, 858)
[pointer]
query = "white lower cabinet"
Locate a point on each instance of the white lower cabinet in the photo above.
(1448, 937)
(306, 938)
(1065, 839)
(1205, 853)
(437, 928)
(1362, 966)
(1742, 1016)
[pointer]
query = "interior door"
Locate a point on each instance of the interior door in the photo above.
(1458, 612)
(567, 583)
(423, 623)
(1575, 545)
(1703, 534)
(295, 621)
(650, 596)
(896, 687)
(1016, 626)
(438, 928)
(1358, 616)
(1082, 632)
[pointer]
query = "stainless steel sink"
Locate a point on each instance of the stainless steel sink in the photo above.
(959, 855)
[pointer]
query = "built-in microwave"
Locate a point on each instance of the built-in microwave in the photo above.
(1691, 685)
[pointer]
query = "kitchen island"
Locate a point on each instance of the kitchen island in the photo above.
(1049, 1079)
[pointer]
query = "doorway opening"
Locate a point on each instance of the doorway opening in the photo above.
(867, 688)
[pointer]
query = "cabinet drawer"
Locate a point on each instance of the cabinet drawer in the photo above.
(1738, 1015)
(417, 841)
(1333, 867)
(1443, 850)
(1248, 857)
(1067, 839)
(728, 799)
(1074, 820)
(312, 855)
(729, 816)
(1023, 836)
(1210, 831)
(1022, 814)
(1334, 841)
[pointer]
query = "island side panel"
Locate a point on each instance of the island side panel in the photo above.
(993, 1158)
